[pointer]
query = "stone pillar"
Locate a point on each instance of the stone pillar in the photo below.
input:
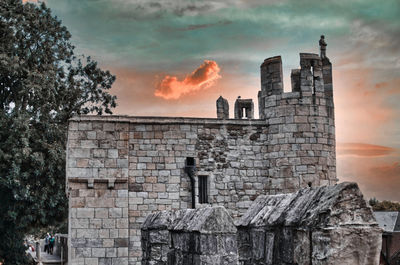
(271, 76)
(271, 82)
(311, 79)
(244, 104)
(222, 108)
(38, 250)
(295, 78)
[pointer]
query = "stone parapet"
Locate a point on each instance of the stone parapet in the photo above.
(193, 236)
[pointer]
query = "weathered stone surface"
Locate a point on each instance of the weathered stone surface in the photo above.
(222, 108)
(244, 104)
(192, 236)
(324, 225)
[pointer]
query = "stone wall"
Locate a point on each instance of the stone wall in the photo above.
(322, 226)
(204, 236)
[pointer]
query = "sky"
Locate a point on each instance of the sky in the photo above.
(176, 57)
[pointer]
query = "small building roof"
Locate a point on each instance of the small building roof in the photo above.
(388, 220)
(204, 220)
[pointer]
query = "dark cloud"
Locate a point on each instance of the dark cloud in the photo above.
(202, 26)
(143, 9)
(378, 42)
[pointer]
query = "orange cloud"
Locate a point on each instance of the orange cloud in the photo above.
(365, 150)
(201, 78)
(30, 1)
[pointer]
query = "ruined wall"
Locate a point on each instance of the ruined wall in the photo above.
(325, 225)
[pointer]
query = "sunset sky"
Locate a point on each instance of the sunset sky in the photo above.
(176, 57)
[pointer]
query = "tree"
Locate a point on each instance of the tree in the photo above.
(384, 205)
(42, 85)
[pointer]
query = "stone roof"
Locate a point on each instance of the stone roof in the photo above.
(388, 221)
(204, 220)
(327, 206)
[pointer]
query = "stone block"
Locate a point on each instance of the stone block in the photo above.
(98, 252)
(122, 252)
(85, 126)
(91, 261)
(83, 252)
(111, 252)
(85, 213)
(115, 213)
(79, 223)
(108, 223)
(87, 233)
(101, 212)
(100, 202)
(93, 243)
(108, 243)
(104, 233)
(120, 261)
(122, 223)
(121, 242)
(95, 223)
(105, 261)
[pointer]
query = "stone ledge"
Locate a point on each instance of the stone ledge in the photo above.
(166, 120)
(91, 181)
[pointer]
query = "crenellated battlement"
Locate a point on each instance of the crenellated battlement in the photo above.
(271, 76)
(313, 80)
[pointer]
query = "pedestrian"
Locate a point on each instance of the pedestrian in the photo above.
(51, 244)
(46, 243)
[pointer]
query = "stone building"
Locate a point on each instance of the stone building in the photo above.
(389, 221)
(120, 169)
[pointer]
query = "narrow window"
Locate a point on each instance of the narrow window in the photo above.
(312, 80)
(203, 189)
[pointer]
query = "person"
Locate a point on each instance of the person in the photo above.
(46, 243)
(322, 45)
(51, 244)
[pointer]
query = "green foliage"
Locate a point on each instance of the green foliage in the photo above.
(42, 85)
(384, 205)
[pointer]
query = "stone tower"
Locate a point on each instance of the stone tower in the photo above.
(301, 123)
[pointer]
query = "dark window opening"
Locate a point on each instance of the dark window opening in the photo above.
(203, 189)
(313, 80)
(190, 161)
